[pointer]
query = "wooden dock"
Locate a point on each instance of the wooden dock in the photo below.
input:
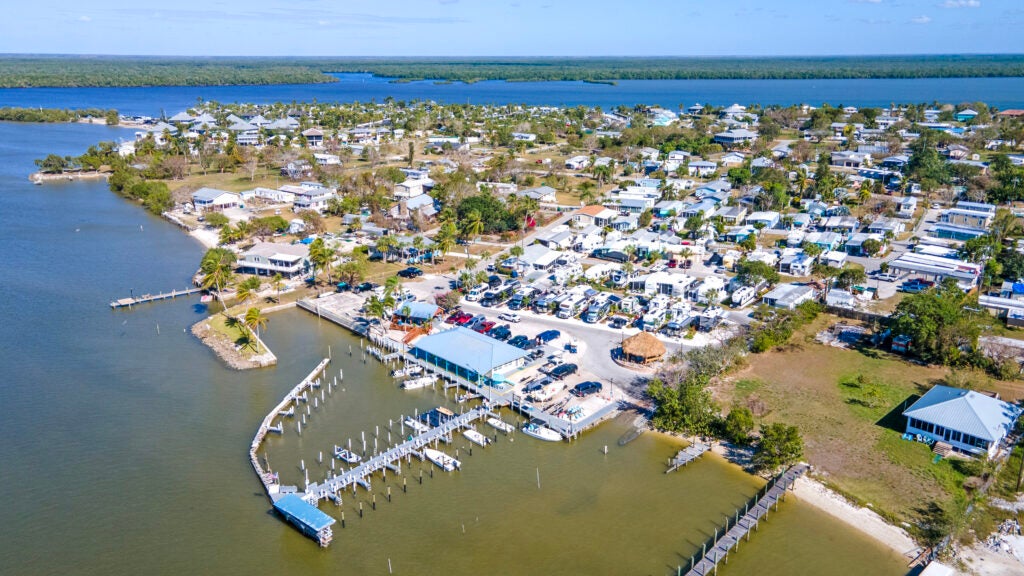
(717, 548)
(129, 302)
(391, 459)
(687, 455)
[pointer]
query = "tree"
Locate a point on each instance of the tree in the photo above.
(738, 425)
(217, 268)
(871, 247)
(473, 225)
(851, 277)
(322, 257)
(751, 272)
(779, 445)
(942, 323)
(247, 289)
(812, 249)
(926, 166)
(645, 218)
(687, 407)
(216, 220)
(52, 164)
(277, 281)
(255, 320)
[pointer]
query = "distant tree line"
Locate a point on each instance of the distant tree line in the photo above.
(74, 71)
(9, 114)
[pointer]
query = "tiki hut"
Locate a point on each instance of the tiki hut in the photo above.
(642, 348)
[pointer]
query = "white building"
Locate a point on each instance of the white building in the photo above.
(270, 258)
(970, 422)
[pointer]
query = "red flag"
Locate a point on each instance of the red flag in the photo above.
(530, 222)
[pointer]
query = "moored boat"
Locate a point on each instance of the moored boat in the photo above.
(442, 460)
(416, 425)
(346, 455)
(421, 382)
(541, 432)
(500, 425)
(476, 437)
(406, 371)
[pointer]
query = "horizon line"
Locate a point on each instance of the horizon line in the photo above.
(500, 57)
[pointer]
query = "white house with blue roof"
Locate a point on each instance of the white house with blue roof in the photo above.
(971, 422)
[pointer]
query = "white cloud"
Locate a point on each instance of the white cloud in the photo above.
(920, 19)
(84, 19)
(961, 4)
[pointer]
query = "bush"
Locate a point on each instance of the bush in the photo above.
(738, 425)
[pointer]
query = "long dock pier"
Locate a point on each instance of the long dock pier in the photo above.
(717, 549)
(359, 476)
(687, 455)
(132, 301)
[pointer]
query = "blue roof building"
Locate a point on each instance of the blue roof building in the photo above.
(306, 517)
(468, 354)
(970, 422)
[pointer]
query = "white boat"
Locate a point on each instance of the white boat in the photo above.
(443, 461)
(476, 437)
(406, 371)
(346, 455)
(500, 425)
(416, 425)
(421, 382)
(541, 432)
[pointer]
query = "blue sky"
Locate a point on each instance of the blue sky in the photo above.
(516, 27)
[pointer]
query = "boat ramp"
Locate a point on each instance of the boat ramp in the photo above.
(716, 549)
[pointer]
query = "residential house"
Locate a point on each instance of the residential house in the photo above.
(701, 168)
(833, 258)
(735, 137)
(311, 197)
(788, 296)
(577, 162)
(766, 220)
(668, 208)
(855, 243)
(731, 215)
(214, 200)
(761, 163)
(967, 218)
(314, 137)
(937, 268)
(542, 194)
(796, 262)
(848, 159)
(594, 215)
(733, 159)
(965, 115)
(969, 422)
(887, 227)
(824, 240)
(270, 258)
(408, 189)
(840, 224)
(906, 206)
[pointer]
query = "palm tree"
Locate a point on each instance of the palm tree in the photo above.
(322, 257)
(588, 191)
(474, 224)
(516, 251)
(864, 194)
(247, 289)
(391, 284)
(277, 281)
(218, 275)
(418, 242)
(255, 320)
(383, 247)
(802, 180)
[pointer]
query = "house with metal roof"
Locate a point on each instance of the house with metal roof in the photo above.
(470, 355)
(737, 136)
(970, 422)
(306, 517)
(269, 258)
(214, 200)
(788, 296)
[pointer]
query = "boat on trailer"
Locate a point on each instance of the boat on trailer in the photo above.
(500, 424)
(541, 432)
(442, 460)
(476, 437)
(346, 455)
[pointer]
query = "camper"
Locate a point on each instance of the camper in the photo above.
(653, 319)
(521, 297)
(572, 306)
(743, 296)
(598, 309)
(476, 293)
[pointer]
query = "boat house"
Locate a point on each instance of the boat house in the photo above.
(467, 354)
(306, 517)
(970, 422)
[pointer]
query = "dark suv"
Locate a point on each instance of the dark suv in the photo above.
(494, 281)
(586, 389)
(547, 336)
(562, 370)
(410, 272)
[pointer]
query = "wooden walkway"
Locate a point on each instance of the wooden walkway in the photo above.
(360, 475)
(717, 548)
(129, 302)
(687, 455)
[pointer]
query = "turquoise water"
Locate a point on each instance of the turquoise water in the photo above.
(1001, 92)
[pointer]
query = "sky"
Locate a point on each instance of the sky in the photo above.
(512, 28)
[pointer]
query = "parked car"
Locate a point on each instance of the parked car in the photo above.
(465, 320)
(887, 277)
(562, 370)
(484, 327)
(410, 272)
(509, 317)
(547, 336)
(586, 388)
(342, 287)
(520, 341)
(494, 281)
(618, 322)
(501, 333)
(916, 285)
(364, 287)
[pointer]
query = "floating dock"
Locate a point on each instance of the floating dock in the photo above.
(129, 302)
(717, 548)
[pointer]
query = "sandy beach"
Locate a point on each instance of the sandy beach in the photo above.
(205, 236)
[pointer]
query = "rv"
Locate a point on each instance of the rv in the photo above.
(598, 309)
(572, 306)
(743, 296)
(520, 297)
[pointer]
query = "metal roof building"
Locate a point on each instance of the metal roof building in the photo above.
(306, 517)
(468, 354)
(970, 422)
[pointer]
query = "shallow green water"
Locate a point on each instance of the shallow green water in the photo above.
(125, 441)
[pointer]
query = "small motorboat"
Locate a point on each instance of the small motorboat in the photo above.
(500, 425)
(443, 461)
(476, 437)
(416, 425)
(541, 432)
(421, 382)
(346, 455)
(407, 371)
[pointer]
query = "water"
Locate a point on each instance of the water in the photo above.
(1001, 92)
(125, 448)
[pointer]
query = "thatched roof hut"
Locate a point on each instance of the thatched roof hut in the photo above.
(643, 348)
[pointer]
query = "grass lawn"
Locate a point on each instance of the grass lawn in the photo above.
(235, 334)
(847, 404)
